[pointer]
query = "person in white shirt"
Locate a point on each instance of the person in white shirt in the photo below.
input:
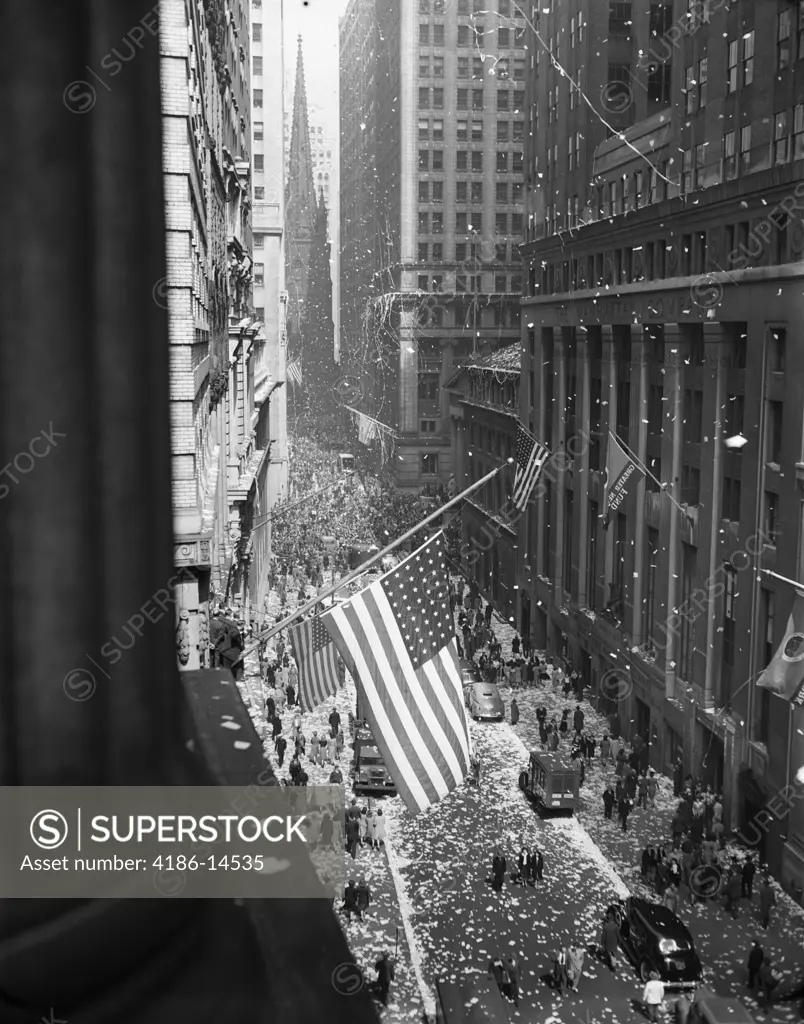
(653, 996)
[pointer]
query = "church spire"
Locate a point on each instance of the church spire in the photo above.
(300, 209)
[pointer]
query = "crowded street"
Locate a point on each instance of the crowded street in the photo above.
(432, 902)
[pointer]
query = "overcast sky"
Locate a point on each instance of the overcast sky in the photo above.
(318, 24)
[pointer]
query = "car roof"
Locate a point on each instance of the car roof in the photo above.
(662, 918)
(484, 686)
(472, 1000)
(726, 1010)
(552, 762)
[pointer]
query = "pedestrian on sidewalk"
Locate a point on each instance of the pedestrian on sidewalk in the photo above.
(280, 745)
(766, 981)
(733, 893)
(349, 905)
(653, 996)
(608, 802)
(488, 614)
(767, 900)
(514, 973)
(577, 720)
(755, 958)
(514, 711)
(678, 773)
(653, 789)
(385, 975)
(605, 748)
(624, 809)
(332, 746)
(352, 836)
(363, 898)
(336, 776)
(379, 829)
(642, 790)
(537, 864)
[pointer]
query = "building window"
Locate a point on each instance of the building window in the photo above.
(259, 241)
(427, 426)
(256, 34)
(259, 274)
(731, 78)
(438, 99)
(519, 70)
(424, 66)
(477, 67)
(502, 131)
(423, 282)
(424, 99)
(693, 416)
(438, 131)
(781, 140)
(463, 67)
(689, 88)
(461, 130)
(477, 99)
(463, 99)
(424, 129)
(438, 254)
(460, 223)
(438, 67)
(771, 523)
(423, 252)
(438, 35)
(429, 463)
(503, 36)
(424, 35)
(703, 72)
(501, 193)
(748, 58)
(259, 192)
(257, 65)
(729, 617)
(729, 156)
(259, 129)
(798, 132)
(258, 97)
(502, 99)
(259, 162)
(477, 191)
(424, 222)
(783, 33)
(463, 36)
(460, 160)
(438, 223)
(773, 432)
(438, 159)
(461, 191)
(438, 191)
(502, 162)
(477, 131)
(776, 353)
(424, 191)
(745, 148)
(424, 159)
(686, 185)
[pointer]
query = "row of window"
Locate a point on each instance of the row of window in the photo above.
(465, 7)
(472, 35)
(465, 191)
(470, 160)
(433, 223)
(655, 260)
(433, 252)
(503, 283)
(433, 98)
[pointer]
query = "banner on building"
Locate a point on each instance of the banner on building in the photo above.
(785, 674)
(620, 467)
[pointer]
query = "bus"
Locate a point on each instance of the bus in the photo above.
(551, 781)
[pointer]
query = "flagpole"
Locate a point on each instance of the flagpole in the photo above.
(361, 569)
(646, 471)
(784, 579)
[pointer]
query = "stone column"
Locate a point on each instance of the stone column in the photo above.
(560, 347)
(717, 353)
(540, 371)
(408, 375)
(581, 475)
(447, 371)
(675, 353)
(609, 422)
(640, 367)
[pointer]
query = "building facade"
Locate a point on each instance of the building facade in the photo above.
(664, 263)
(431, 171)
(270, 295)
(206, 113)
(484, 411)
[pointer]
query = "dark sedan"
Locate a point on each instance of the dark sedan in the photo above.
(470, 673)
(656, 939)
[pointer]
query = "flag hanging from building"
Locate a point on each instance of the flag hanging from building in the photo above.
(317, 661)
(785, 674)
(293, 372)
(400, 635)
(530, 458)
(620, 468)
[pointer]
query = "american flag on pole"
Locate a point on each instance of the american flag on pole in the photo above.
(400, 635)
(293, 372)
(530, 457)
(317, 661)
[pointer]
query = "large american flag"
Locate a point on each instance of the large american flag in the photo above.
(530, 457)
(400, 636)
(317, 661)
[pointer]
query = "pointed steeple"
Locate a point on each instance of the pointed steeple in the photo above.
(300, 207)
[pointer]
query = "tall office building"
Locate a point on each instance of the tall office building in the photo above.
(431, 178)
(664, 264)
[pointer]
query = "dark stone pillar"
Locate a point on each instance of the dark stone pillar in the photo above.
(85, 533)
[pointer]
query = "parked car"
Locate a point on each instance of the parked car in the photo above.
(370, 773)
(656, 939)
(470, 673)
(484, 701)
(472, 1000)
(716, 1010)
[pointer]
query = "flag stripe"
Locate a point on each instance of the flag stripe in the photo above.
(530, 457)
(401, 637)
(404, 774)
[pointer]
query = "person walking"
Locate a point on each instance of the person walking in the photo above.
(734, 893)
(371, 828)
(766, 980)
(653, 996)
(385, 975)
(514, 973)
(379, 829)
(537, 864)
(749, 870)
(623, 810)
(608, 801)
(280, 745)
(653, 789)
(755, 958)
(642, 791)
(605, 748)
(363, 898)
(767, 900)
(498, 870)
(352, 836)
(349, 904)
(514, 711)
(678, 774)
(610, 943)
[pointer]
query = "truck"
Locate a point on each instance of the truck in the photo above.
(370, 774)
(551, 781)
